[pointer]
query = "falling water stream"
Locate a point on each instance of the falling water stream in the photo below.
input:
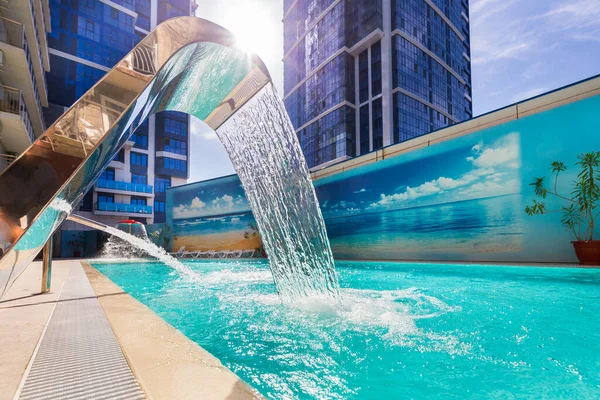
(265, 153)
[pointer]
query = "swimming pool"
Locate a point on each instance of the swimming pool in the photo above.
(403, 331)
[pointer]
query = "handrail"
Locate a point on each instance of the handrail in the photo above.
(5, 161)
(124, 186)
(123, 207)
(12, 102)
(12, 32)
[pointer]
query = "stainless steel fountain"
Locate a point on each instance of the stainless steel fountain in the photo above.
(190, 65)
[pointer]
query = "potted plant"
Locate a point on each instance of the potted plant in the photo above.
(580, 209)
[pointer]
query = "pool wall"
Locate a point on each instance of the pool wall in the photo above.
(457, 194)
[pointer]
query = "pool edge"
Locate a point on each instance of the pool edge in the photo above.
(176, 367)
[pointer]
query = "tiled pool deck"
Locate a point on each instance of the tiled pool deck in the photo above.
(86, 338)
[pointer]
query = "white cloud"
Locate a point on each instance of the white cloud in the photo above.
(503, 152)
(363, 190)
(483, 181)
(220, 205)
(197, 203)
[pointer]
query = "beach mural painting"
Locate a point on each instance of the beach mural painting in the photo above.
(462, 199)
(458, 198)
(450, 200)
(211, 215)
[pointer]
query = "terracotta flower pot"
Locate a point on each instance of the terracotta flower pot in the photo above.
(588, 252)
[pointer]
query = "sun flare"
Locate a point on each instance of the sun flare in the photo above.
(254, 28)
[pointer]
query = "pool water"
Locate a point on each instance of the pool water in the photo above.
(402, 331)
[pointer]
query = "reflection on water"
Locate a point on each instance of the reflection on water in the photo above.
(444, 231)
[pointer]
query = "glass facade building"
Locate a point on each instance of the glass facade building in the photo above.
(363, 74)
(88, 38)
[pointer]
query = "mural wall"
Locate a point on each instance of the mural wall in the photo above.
(462, 199)
(211, 215)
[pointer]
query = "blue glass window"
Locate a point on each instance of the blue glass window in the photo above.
(363, 76)
(161, 184)
(172, 163)
(364, 129)
(139, 159)
(108, 174)
(377, 119)
(106, 198)
(141, 141)
(174, 146)
(139, 179)
(159, 206)
(376, 69)
(138, 201)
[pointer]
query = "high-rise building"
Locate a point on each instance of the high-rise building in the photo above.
(24, 59)
(363, 74)
(88, 38)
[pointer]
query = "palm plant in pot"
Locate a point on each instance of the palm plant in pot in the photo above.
(580, 209)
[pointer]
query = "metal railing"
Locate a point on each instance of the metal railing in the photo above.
(124, 208)
(11, 101)
(13, 33)
(143, 60)
(5, 161)
(125, 186)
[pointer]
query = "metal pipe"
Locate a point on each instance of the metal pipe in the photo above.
(47, 266)
(87, 222)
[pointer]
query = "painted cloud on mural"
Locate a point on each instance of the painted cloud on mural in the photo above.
(225, 204)
(493, 173)
(216, 197)
(485, 169)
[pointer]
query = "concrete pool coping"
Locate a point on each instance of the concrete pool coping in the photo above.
(175, 367)
(44, 350)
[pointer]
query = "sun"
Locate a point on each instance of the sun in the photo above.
(254, 27)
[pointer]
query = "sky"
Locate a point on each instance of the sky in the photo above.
(519, 49)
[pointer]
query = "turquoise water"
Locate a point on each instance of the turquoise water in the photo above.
(404, 331)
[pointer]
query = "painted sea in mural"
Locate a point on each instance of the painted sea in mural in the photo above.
(450, 230)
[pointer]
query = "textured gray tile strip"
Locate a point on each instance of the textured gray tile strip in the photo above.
(79, 356)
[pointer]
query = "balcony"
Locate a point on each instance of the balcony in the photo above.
(124, 187)
(17, 68)
(25, 13)
(16, 132)
(122, 208)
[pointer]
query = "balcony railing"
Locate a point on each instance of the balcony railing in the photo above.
(13, 33)
(5, 161)
(124, 208)
(125, 186)
(11, 101)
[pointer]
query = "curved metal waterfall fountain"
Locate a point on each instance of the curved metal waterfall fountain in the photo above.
(190, 65)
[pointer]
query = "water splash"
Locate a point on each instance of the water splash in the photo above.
(154, 251)
(116, 248)
(265, 152)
